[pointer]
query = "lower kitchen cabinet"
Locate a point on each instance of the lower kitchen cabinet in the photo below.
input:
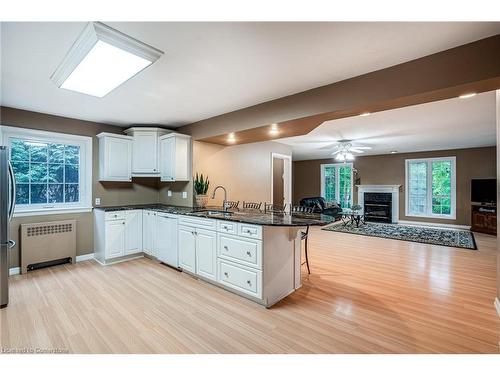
(133, 232)
(187, 248)
(149, 232)
(114, 238)
(198, 251)
(206, 253)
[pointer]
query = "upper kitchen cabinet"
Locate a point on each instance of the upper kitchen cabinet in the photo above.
(115, 157)
(175, 157)
(145, 151)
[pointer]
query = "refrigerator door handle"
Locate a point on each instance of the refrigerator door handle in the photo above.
(12, 243)
(12, 191)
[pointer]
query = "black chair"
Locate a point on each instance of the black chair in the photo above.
(304, 235)
(275, 208)
(252, 205)
(232, 204)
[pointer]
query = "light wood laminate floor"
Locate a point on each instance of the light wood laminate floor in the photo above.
(364, 295)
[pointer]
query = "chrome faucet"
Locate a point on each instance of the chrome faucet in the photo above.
(225, 205)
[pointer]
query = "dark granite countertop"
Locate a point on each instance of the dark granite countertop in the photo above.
(243, 216)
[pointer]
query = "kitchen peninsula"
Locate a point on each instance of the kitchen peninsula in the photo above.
(252, 253)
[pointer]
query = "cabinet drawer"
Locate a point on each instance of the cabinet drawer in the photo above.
(243, 279)
(249, 230)
(115, 215)
(246, 251)
(197, 222)
(227, 227)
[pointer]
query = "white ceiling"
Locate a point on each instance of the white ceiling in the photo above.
(447, 124)
(213, 68)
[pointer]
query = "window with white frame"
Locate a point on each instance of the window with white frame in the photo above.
(431, 187)
(53, 171)
(336, 183)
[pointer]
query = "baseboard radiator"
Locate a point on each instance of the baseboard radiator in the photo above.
(47, 244)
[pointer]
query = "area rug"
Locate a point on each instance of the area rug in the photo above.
(435, 236)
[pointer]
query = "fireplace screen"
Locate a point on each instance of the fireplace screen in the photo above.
(378, 207)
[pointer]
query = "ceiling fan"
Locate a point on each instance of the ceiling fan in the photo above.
(345, 149)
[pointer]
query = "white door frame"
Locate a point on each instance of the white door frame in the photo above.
(287, 176)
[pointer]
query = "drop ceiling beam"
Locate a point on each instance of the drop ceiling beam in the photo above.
(473, 67)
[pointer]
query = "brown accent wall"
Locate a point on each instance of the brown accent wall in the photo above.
(141, 190)
(244, 170)
(390, 170)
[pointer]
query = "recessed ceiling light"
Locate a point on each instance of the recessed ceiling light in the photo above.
(364, 114)
(231, 138)
(102, 59)
(394, 152)
(469, 95)
(274, 129)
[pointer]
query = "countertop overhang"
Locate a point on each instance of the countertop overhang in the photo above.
(243, 216)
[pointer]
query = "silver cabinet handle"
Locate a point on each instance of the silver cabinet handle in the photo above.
(13, 191)
(12, 243)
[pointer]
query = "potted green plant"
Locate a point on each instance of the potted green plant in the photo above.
(200, 189)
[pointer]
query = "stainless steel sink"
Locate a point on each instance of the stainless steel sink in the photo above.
(215, 213)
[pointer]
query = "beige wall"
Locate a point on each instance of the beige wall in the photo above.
(139, 191)
(245, 171)
(390, 170)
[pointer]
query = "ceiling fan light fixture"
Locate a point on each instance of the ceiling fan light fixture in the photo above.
(349, 156)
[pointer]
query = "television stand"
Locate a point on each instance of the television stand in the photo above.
(484, 218)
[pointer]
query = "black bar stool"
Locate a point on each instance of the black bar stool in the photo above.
(304, 235)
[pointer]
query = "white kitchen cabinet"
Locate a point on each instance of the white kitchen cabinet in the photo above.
(145, 151)
(114, 238)
(133, 232)
(115, 157)
(187, 248)
(206, 253)
(149, 232)
(175, 157)
(166, 239)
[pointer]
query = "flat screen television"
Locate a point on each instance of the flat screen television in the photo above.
(484, 190)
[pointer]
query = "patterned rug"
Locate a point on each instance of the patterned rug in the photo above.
(434, 236)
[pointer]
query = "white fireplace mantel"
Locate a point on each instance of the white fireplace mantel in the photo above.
(393, 189)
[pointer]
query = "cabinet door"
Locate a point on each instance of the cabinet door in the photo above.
(117, 159)
(182, 158)
(187, 249)
(167, 159)
(115, 238)
(206, 253)
(149, 232)
(133, 232)
(166, 240)
(145, 153)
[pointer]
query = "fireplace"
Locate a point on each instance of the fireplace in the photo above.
(378, 207)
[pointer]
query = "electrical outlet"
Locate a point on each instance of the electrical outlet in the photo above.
(97, 201)
(169, 193)
(184, 194)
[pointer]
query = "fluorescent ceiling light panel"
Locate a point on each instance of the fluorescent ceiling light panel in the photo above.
(101, 60)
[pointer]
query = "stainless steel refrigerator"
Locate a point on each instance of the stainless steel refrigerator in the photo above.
(7, 202)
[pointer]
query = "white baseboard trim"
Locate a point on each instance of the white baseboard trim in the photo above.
(84, 257)
(438, 225)
(14, 271)
(497, 305)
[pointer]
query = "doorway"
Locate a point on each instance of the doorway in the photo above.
(281, 179)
